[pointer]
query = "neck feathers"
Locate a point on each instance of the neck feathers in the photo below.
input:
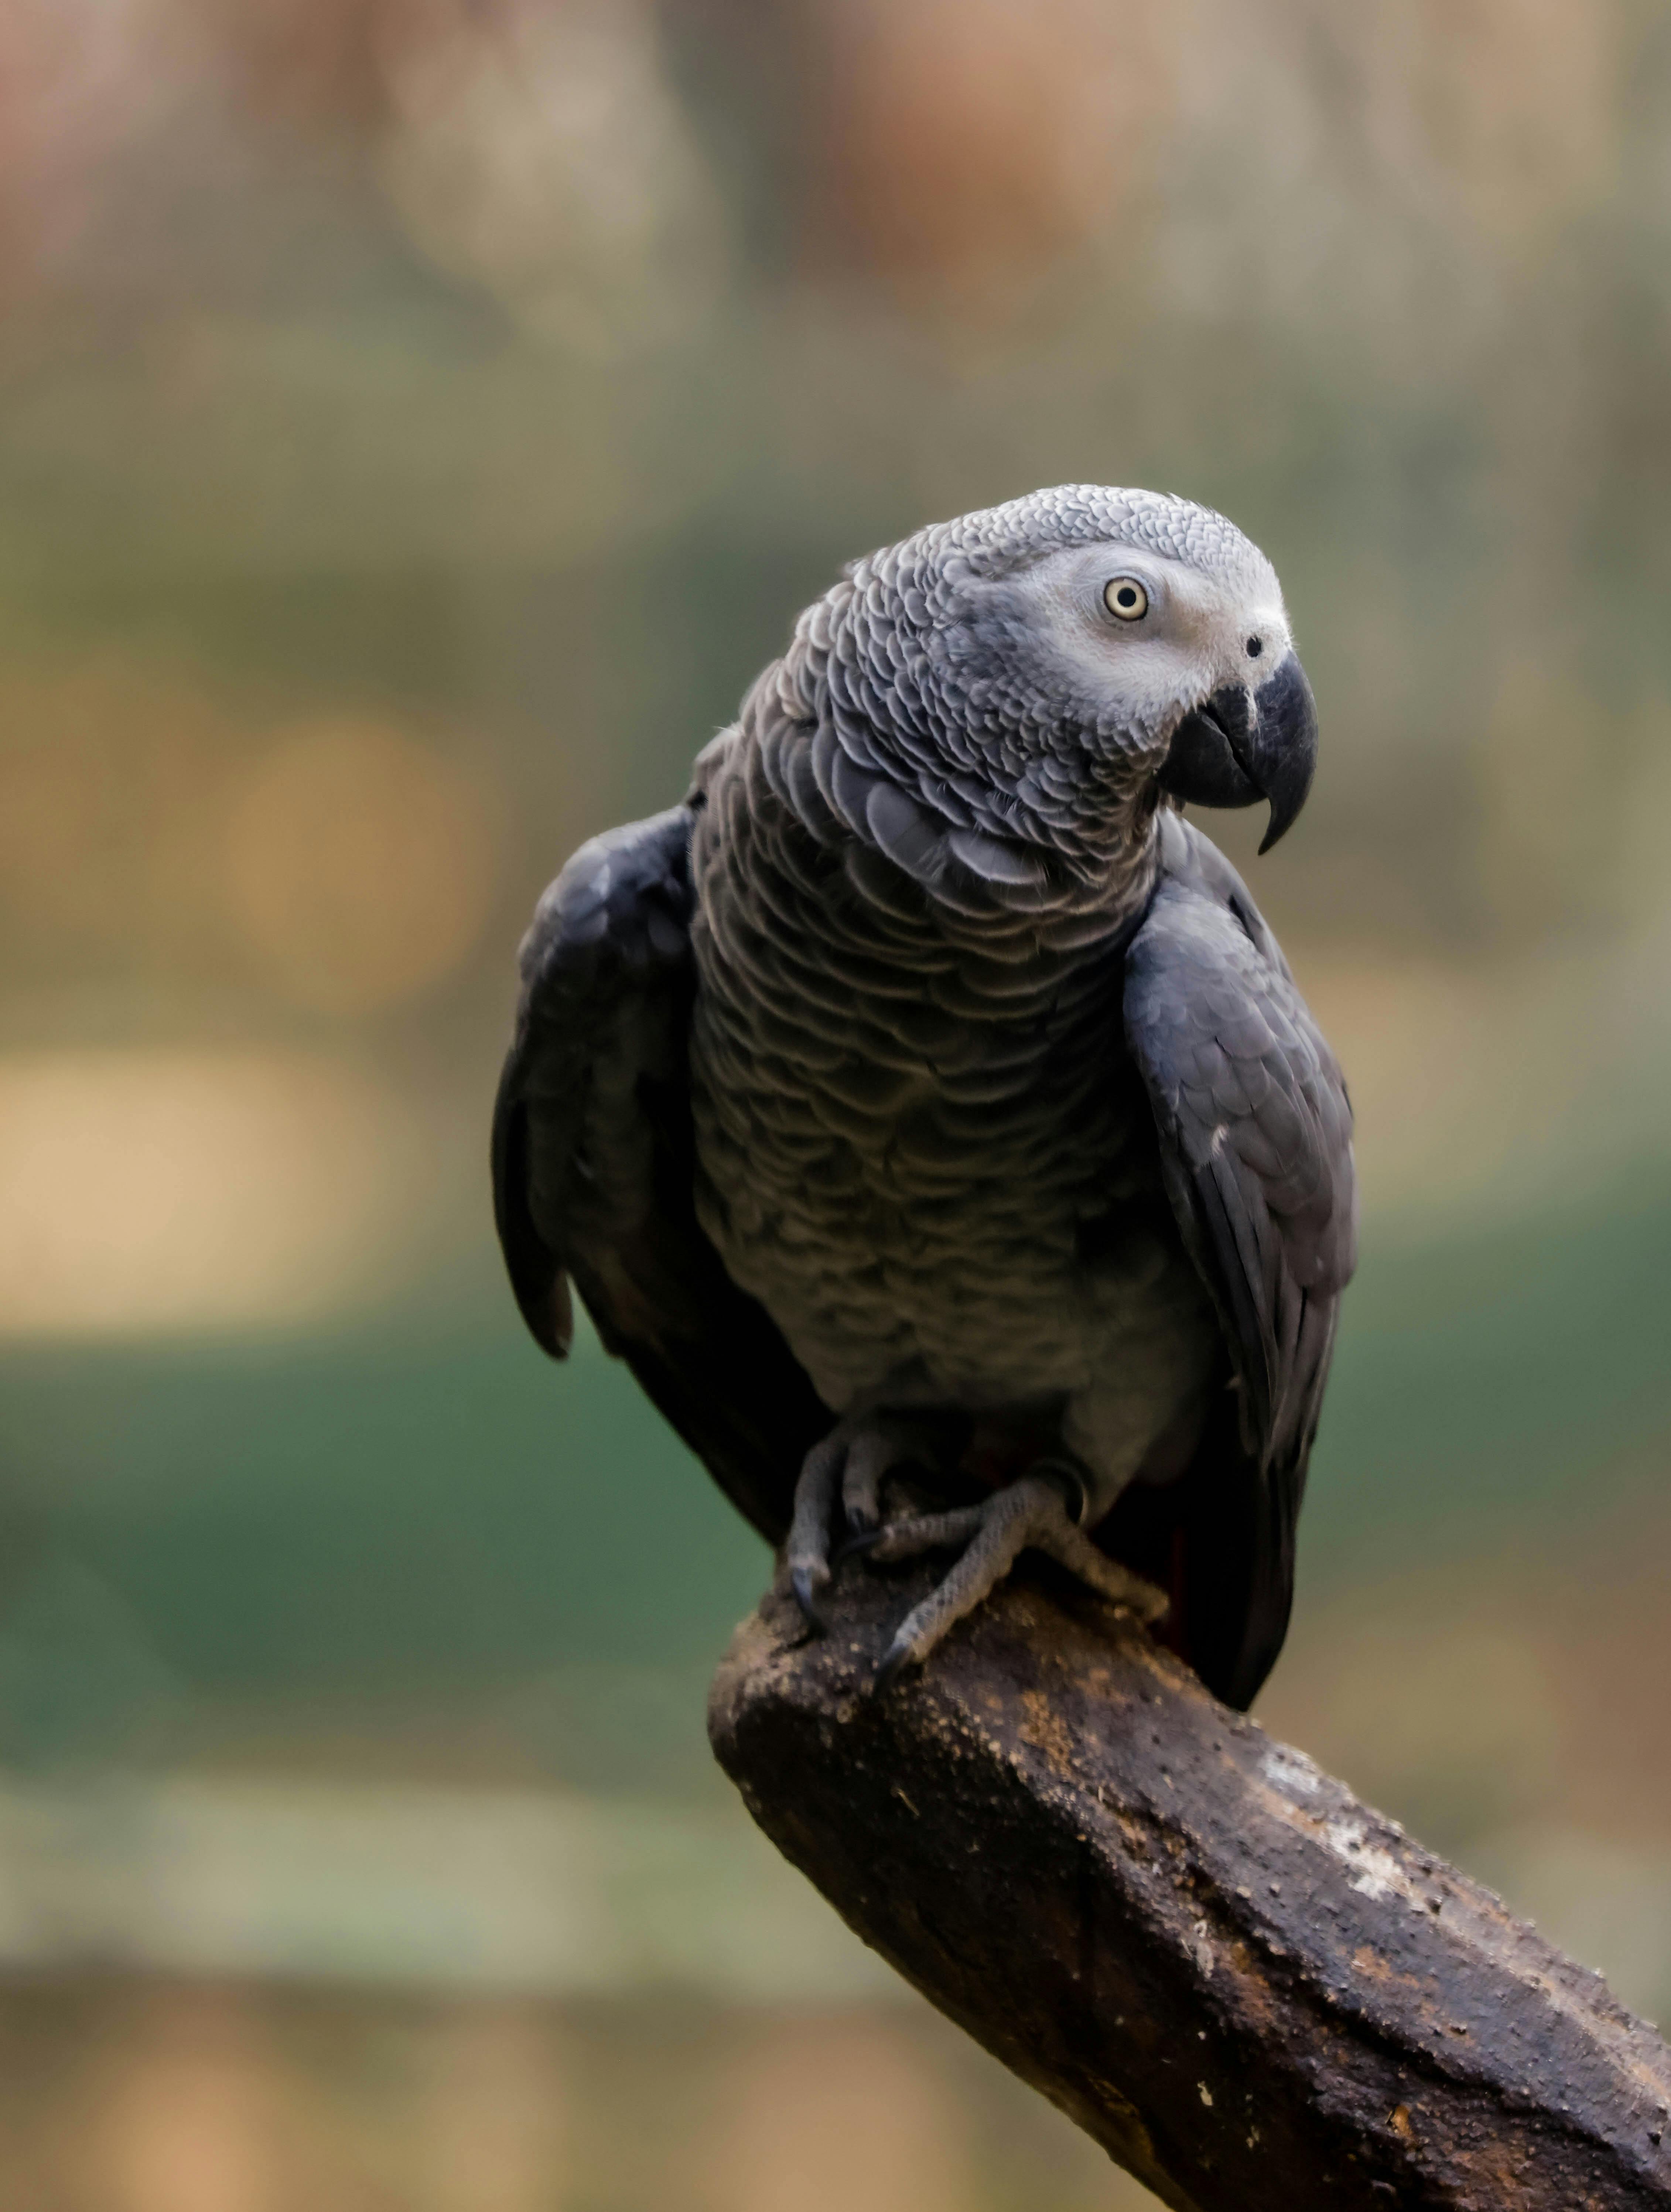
(981, 805)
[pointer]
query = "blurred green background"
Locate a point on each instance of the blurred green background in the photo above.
(418, 421)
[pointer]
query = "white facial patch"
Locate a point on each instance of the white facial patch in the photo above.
(1197, 632)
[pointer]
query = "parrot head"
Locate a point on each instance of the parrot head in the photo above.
(1130, 628)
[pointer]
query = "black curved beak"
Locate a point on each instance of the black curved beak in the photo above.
(1242, 746)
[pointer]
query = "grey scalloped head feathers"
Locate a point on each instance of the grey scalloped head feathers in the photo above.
(894, 673)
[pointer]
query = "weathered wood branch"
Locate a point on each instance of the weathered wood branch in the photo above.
(1254, 1991)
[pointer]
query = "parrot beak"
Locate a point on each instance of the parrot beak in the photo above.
(1242, 746)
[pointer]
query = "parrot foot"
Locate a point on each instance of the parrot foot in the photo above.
(1034, 1513)
(852, 1460)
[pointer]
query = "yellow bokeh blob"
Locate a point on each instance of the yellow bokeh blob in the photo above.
(360, 863)
(150, 1190)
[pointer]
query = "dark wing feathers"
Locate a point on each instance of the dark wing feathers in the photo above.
(1255, 1137)
(593, 1169)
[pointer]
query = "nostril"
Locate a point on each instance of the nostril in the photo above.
(1256, 647)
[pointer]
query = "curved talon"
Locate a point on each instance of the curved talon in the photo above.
(806, 1597)
(1061, 1474)
(894, 1660)
(856, 1546)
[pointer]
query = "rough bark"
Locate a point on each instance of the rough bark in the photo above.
(1252, 1990)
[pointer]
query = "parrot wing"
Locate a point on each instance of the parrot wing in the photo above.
(593, 1168)
(1255, 1139)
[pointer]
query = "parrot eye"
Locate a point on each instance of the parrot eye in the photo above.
(1256, 647)
(1125, 598)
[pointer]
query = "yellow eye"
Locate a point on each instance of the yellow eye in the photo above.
(1125, 598)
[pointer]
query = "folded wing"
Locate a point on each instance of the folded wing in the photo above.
(593, 1165)
(1255, 1138)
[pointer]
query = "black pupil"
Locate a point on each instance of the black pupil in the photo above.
(1127, 596)
(1256, 647)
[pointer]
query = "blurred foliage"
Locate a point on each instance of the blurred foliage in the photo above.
(175, 2097)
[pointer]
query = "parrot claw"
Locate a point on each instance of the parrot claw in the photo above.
(1042, 1511)
(1036, 1513)
(848, 1464)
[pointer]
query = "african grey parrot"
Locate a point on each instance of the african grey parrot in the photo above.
(924, 1089)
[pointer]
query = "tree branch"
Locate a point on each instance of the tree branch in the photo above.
(1254, 1991)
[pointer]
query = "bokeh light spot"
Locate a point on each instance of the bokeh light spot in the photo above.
(360, 863)
(146, 1191)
